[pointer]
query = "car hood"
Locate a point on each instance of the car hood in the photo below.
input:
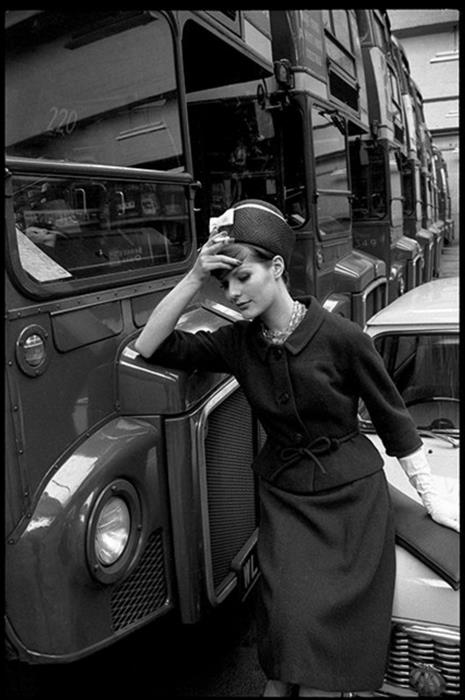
(420, 594)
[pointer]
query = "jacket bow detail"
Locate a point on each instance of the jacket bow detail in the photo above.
(321, 445)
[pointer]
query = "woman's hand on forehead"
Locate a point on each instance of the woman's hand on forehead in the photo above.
(210, 257)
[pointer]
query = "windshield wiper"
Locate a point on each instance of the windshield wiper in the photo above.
(455, 442)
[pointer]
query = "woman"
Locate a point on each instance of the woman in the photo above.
(326, 536)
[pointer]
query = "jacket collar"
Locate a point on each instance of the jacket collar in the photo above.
(302, 335)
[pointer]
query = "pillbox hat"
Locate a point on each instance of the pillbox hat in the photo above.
(258, 223)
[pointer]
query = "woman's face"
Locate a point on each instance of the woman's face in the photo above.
(252, 286)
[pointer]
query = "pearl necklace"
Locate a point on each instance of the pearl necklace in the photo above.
(277, 337)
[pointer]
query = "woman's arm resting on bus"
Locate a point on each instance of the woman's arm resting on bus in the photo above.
(166, 314)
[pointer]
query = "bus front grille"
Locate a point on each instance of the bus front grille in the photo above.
(229, 451)
(145, 591)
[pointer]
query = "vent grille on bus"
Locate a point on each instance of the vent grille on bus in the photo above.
(409, 648)
(230, 481)
(145, 590)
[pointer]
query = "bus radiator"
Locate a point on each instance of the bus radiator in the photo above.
(229, 451)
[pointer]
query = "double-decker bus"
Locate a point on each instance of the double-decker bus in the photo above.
(377, 162)
(128, 488)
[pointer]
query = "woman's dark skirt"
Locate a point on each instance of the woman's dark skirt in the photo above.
(327, 561)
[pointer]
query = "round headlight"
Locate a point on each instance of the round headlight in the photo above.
(112, 531)
(115, 532)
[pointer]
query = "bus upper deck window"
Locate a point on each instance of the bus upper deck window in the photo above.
(60, 109)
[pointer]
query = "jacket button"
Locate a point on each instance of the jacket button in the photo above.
(284, 398)
(298, 438)
(277, 352)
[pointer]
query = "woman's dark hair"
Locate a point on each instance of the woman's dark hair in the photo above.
(240, 251)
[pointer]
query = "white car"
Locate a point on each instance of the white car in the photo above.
(417, 336)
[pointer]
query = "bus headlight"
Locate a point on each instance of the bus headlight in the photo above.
(114, 532)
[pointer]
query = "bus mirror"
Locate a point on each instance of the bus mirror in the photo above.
(283, 74)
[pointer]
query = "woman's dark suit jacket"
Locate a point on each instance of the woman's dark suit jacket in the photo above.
(306, 393)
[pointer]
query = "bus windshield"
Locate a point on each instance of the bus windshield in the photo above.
(73, 227)
(93, 87)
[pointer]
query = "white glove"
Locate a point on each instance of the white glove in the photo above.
(419, 474)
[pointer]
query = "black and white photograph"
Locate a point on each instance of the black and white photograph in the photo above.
(232, 401)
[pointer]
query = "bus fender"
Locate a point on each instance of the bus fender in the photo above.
(63, 607)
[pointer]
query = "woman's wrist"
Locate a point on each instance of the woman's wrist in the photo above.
(195, 277)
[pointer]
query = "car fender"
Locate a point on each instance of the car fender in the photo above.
(420, 594)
